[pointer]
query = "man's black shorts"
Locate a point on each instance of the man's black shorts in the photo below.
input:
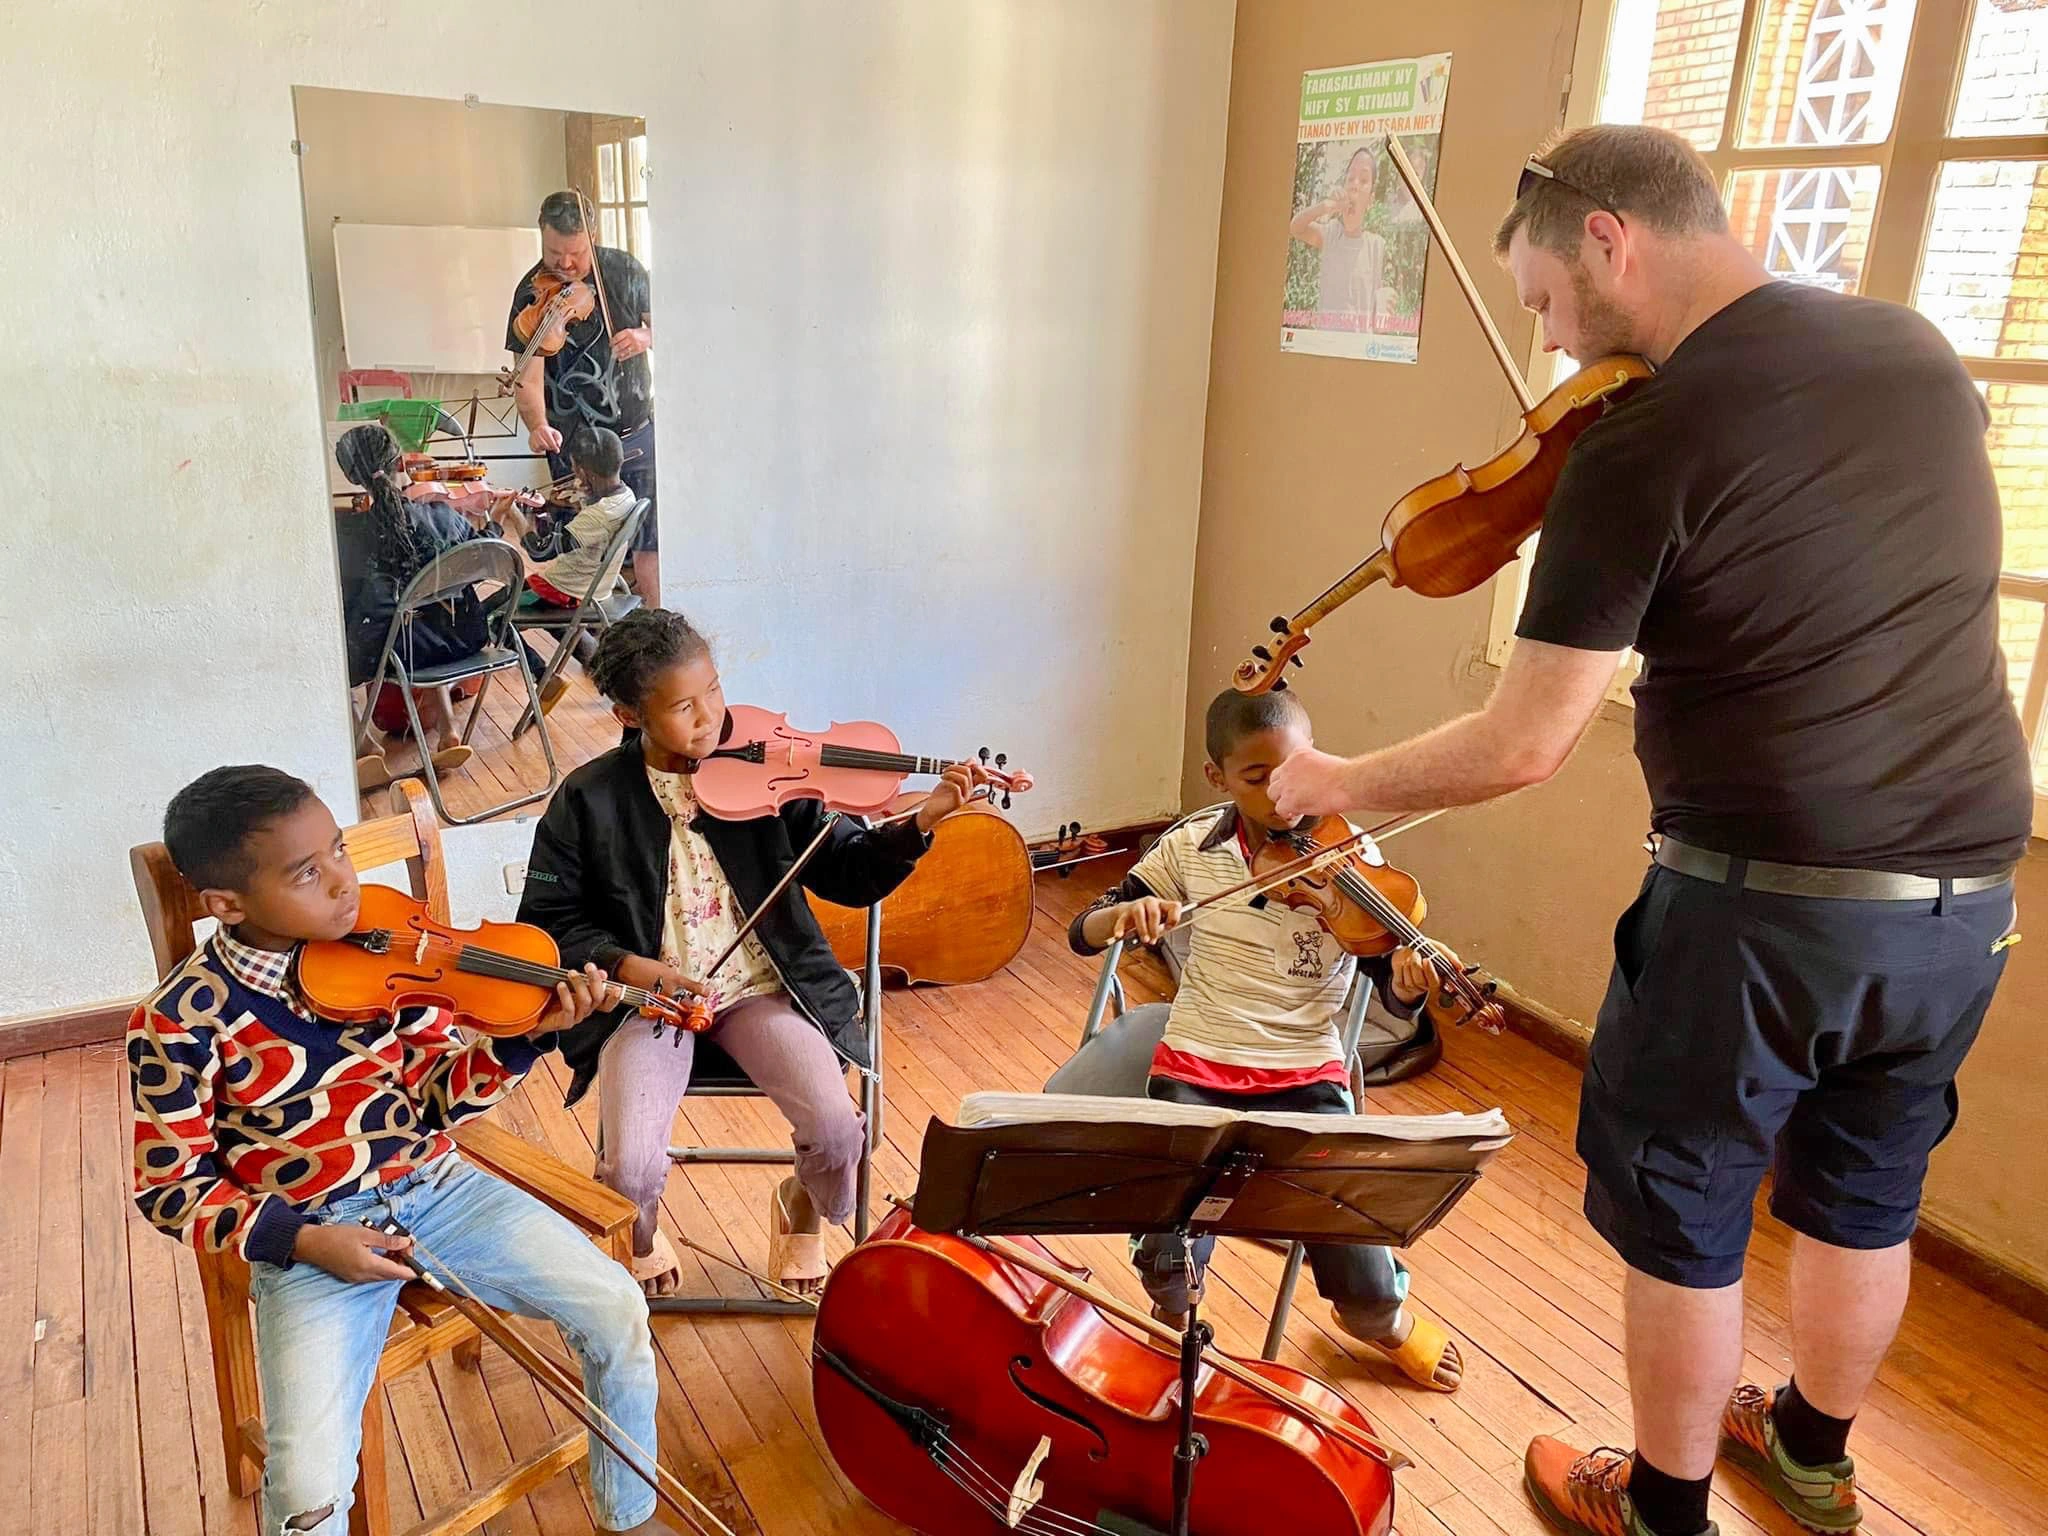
(1746, 1032)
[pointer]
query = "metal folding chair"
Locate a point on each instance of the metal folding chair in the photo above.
(714, 1074)
(1109, 1002)
(442, 578)
(599, 608)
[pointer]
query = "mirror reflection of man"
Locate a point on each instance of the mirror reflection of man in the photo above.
(596, 379)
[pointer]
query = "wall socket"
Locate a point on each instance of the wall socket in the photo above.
(515, 878)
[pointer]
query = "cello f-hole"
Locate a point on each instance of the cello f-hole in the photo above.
(1024, 1363)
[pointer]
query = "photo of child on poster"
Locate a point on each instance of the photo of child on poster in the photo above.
(1358, 248)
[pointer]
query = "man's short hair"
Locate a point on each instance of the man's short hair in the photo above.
(1650, 175)
(1233, 716)
(563, 213)
(208, 824)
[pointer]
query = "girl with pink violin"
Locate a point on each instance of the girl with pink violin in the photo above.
(673, 863)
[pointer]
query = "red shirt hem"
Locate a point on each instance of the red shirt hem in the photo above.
(1221, 1078)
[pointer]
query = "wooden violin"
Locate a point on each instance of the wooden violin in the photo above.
(543, 325)
(1371, 909)
(496, 978)
(1458, 529)
(425, 469)
(762, 763)
(978, 1385)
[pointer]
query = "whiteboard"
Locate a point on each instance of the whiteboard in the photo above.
(429, 298)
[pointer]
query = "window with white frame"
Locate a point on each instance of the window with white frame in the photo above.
(1896, 148)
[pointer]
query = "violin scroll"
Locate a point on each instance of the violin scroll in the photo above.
(1265, 670)
(995, 774)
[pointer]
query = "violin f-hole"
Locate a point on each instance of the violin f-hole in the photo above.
(1024, 1363)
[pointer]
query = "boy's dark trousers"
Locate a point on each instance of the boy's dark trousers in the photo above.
(1362, 1281)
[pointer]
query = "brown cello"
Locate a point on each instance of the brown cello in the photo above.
(963, 914)
(979, 1385)
(1456, 530)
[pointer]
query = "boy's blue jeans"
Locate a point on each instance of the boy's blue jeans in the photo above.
(318, 1337)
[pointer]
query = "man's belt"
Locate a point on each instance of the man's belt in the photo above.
(1811, 880)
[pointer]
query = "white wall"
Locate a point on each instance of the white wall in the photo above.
(934, 292)
(383, 159)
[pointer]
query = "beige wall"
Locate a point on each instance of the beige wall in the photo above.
(931, 355)
(383, 159)
(1303, 457)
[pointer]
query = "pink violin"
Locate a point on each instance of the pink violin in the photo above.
(762, 763)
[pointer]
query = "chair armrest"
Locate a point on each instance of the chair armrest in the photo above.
(601, 1212)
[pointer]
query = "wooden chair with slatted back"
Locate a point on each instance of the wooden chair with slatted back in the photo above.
(424, 1326)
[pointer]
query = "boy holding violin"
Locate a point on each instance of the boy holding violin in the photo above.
(1255, 1023)
(264, 1128)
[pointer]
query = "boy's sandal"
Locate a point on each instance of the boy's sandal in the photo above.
(793, 1256)
(657, 1263)
(1421, 1353)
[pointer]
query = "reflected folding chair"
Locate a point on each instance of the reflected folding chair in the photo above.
(599, 608)
(1109, 1003)
(439, 580)
(715, 1075)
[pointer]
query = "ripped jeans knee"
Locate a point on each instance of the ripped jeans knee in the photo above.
(329, 1519)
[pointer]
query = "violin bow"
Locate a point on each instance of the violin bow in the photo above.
(552, 1376)
(1258, 885)
(583, 205)
(1466, 286)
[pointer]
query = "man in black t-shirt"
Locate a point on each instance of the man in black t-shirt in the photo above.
(1794, 522)
(596, 379)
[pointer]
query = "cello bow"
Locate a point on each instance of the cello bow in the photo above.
(554, 1378)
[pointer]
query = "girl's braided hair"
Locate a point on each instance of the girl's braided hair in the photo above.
(638, 648)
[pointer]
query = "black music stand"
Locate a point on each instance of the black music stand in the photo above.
(1242, 1178)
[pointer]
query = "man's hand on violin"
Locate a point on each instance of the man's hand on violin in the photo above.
(954, 789)
(631, 341)
(354, 1254)
(577, 999)
(1145, 919)
(1310, 783)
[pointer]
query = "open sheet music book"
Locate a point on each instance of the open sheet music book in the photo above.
(992, 1109)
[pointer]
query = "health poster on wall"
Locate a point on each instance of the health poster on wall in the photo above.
(1357, 247)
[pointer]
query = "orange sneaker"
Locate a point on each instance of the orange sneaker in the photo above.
(1585, 1493)
(1821, 1499)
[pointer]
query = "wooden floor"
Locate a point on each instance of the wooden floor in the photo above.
(580, 727)
(106, 1403)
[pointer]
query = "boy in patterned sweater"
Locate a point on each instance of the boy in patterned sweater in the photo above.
(264, 1128)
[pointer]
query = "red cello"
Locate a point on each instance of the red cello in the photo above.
(964, 1387)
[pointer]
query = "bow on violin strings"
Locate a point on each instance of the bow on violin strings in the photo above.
(557, 1380)
(1387, 926)
(1458, 529)
(762, 764)
(497, 978)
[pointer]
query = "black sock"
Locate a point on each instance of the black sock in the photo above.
(1809, 1436)
(1669, 1506)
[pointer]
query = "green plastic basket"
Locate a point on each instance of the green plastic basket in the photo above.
(412, 422)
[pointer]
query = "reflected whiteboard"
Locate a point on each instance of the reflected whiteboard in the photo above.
(429, 298)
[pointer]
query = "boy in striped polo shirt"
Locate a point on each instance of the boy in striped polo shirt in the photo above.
(1256, 1022)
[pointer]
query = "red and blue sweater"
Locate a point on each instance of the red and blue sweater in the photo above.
(251, 1112)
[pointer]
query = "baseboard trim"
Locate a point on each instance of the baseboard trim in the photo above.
(1941, 1246)
(35, 1033)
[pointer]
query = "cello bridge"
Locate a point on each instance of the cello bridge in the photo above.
(1027, 1490)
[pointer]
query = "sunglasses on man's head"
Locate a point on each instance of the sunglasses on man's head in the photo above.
(1535, 174)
